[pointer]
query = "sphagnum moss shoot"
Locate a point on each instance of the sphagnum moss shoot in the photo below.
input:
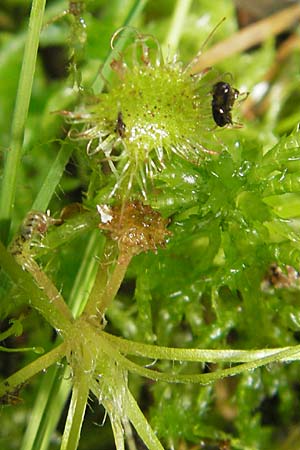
(154, 110)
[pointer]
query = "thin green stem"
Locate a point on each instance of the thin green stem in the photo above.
(176, 26)
(23, 375)
(118, 433)
(54, 296)
(111, 410)
(15, 329)
(37, 298)
(21, 349)
(129, 435)
(107, 283)
(76, 412)
(194, 354)
(82, 363)
(101, 280)
(140, 423)
(114, 283)
(206, 378)
(20, 115)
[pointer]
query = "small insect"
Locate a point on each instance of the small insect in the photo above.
(223, 98)
(35, 223)
(120, 126)
(276, 278)
(12, 398)
(76, 8)
(32, 230)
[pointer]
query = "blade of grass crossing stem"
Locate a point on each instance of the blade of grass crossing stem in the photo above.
(105, 69)
(176, 26)
(10, 175)
(86, 274)
(53, 177)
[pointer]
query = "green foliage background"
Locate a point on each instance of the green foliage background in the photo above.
(231, 218)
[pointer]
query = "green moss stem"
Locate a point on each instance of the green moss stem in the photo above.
(19, 118)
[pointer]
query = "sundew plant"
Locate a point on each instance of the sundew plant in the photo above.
(150, 226)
